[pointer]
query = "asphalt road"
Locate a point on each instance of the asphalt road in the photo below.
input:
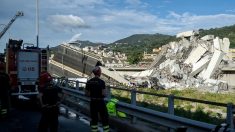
(26, 120)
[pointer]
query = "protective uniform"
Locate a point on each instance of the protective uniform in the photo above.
(112, 110)
(111, 106)
(50, 108)
(97, 104)
(4, 91)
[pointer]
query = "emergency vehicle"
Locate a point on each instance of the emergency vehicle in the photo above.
(24, 63)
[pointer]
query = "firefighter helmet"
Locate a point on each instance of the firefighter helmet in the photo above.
(97, 71)
(44, 78)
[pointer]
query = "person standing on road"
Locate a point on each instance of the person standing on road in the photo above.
(4, 91)
(49, 99)
(95, 88)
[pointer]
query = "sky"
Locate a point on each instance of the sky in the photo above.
(110, 20)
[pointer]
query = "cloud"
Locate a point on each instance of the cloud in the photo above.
(167, 1)
(133, 2)
(136, 4)
(187, 21)
(72, 3)
(123, 23)
(129, 17)
(103, 20)
(65, 22)
(75, 37)
(231, 11)
(109, 25)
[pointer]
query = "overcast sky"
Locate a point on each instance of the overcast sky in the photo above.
(110, 20)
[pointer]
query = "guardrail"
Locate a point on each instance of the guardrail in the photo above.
(168, 120)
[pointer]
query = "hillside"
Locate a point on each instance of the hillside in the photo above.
(228, 31)
(141, 42)
(83, 44)
(136, 44)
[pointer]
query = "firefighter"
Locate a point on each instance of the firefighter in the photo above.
(4, 90)
(112, 110)
(49, 99)
(95, 88)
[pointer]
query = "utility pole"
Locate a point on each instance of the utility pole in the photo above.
(37, 22)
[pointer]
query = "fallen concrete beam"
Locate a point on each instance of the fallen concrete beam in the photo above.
(208, 37)
(187, 34)
(145, 73)
(214, 64)
(196, 54)
(200, 65)
(201, 74)
(225, 49)
(216, 44)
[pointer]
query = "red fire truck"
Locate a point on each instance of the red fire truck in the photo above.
(24, 63)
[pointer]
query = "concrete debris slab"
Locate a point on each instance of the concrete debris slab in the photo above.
(225, 49)
(217, 45)
(190, 62)
(200, 65)
(214, 63)
(208, 37)
(187, 34)
(196, 54)
(145, 73)
(166, 63)
(200, 75)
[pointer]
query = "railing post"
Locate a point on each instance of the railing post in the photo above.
(133, 102)
(77, 85)
(66, 82)
(108, 92)
(171, 108)
(66, 112)
(229, 119)
(171, 104)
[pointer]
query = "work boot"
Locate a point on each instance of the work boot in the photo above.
(106, 128)
(3, 113)
(94, 128)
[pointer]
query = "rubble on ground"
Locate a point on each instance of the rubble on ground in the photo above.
(191, 62)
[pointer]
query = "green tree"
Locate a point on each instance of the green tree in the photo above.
(135, 57)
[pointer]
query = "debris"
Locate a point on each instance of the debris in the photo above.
(191, 62)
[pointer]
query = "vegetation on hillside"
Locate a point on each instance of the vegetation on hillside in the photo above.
(228, 32)
(83, 44)
(135, 45)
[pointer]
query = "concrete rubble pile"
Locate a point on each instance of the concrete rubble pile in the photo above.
(192, 62)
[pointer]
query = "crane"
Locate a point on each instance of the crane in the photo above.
(19, 13)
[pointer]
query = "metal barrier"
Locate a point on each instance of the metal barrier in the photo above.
(169, 120)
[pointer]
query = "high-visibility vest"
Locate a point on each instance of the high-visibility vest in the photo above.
(111, 107)
(112, 111)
